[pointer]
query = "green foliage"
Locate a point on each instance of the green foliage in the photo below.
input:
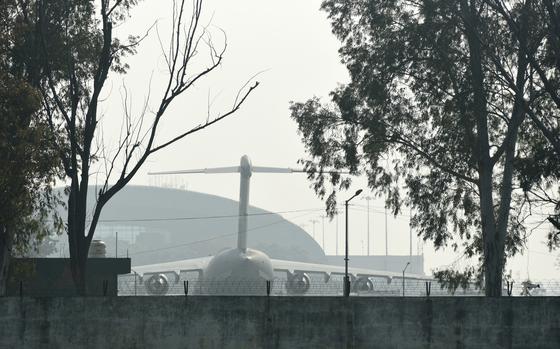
(29, 163)
(540, 174)
(553, 237)
(434, 103)
(400, 100)
(29, 169)
(453, 279)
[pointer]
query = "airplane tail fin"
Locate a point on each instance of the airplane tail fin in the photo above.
(245, 169)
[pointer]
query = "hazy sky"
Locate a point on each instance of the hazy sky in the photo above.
(290, 42)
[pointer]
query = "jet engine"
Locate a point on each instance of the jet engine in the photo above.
(362, 284)
(298, 283)
(157, 284)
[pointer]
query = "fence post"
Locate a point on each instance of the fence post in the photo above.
(428, 288)
(105, 286)
(509, 288)
(186, 287)
(268, 287)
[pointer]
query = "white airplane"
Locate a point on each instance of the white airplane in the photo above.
(242, 265)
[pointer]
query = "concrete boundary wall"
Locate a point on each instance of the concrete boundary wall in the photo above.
(279, 322)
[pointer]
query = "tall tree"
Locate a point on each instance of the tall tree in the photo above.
(437, 104)
(540, 176)
(79, 53)
(28, 163)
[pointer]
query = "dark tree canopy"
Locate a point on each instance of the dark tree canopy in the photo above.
(29, 166)
(540, 174)
(436, 115)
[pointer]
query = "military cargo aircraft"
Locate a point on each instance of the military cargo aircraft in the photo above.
(228, 271)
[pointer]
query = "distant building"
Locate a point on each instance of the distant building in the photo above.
(158, 225)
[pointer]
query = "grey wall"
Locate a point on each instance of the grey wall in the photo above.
(279, 322)
(53, 276)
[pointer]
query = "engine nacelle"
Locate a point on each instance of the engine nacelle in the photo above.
(362, 284)
(298, 283)
(157, 284)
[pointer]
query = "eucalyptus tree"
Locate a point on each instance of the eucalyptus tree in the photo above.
(541, 175)
(436, 107)
(28, 164)
(79, 52)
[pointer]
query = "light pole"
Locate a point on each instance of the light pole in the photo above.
(368, 198)
(313, 221)
(406, 266)
(337, 213)
(323, 223)
(386, 241)
(346, 278)
(410, 230)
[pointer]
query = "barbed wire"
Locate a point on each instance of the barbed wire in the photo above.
(158, 285)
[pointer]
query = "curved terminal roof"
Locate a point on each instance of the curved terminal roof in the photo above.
(160, 225)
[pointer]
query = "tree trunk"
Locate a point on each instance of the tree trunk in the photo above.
(5, 247)
(492, 259)
(78, 242)
(79, 239)
(78, 259)
(78, 264)
(517, 116)
(492, 256)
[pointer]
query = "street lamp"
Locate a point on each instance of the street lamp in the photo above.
(406, 266)
(346, 278)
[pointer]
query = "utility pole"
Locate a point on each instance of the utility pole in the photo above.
(386, 240)
(313, 221)
(386, 235)
(323, 223)
(346, 277)
(410, 228)
(337, 212)
(368, 198)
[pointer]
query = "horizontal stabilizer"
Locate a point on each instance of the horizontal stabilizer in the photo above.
(263, 169)
(274, 169)
(231, 169)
